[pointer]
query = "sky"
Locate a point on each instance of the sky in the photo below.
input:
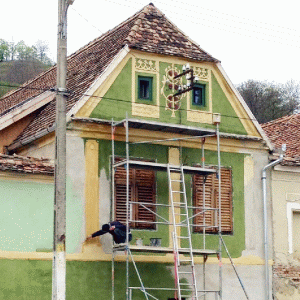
(258, 39)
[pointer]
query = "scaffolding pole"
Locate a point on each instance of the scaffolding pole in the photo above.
(129, 203)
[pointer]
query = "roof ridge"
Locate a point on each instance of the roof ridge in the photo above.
(104, 35)
(183, 33)
(287, 117)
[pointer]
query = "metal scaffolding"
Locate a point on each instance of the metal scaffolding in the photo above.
(181, 211)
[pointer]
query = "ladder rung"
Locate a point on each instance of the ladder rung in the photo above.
(183, 237)
(181, 192)
(176, 180)
(185, 272)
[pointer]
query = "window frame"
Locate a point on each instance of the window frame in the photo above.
(211, 192)
(202, 87)
(148, 79)
(138, 186)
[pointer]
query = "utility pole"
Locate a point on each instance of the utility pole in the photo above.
(59, 235)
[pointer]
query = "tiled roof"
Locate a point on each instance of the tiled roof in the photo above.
(148, 30)
(21, 164)
(285, 130)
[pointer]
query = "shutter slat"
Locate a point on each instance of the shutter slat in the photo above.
(212, 200)
(142, 189)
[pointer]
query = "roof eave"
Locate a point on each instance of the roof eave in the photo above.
(99, 81)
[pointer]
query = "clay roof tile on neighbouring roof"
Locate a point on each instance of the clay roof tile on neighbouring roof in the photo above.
(28, 165)
(148, 30)
(285, 130)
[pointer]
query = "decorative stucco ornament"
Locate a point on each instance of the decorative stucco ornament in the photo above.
(145, 64)
(170, 86)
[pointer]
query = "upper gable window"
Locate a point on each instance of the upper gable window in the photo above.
(145, 88)
(199, 95)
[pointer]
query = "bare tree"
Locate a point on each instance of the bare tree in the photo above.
(269, 101)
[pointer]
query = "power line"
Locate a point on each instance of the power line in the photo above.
(161, 106)
(188, 19)
(87, 20)
(26, 87)
(126, 101)
(230, 15)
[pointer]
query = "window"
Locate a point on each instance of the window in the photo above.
(212, 201)
(142, 194)
(145, 88)
(199, 95)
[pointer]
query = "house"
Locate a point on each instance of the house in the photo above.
(126, 134)
(285, 187)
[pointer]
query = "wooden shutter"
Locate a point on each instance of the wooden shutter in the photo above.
(145, 193)
(209, 202)
(120, 193)
(212, 201)
(226, 200)
(142, 189)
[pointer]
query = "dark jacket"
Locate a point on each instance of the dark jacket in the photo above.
(119, 233)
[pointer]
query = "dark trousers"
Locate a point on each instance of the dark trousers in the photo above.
(120, 236)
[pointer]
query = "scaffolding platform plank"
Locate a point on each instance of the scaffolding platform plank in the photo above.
(154, 249)
(167, 127)
(137, 164)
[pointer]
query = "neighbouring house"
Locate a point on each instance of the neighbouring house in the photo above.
(285, 194)
(26, 203)
(126, 134)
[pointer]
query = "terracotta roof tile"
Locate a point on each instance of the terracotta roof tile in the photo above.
(285, 130)
(148, 30)
(22, 164)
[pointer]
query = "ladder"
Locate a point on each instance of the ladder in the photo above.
(184, 265)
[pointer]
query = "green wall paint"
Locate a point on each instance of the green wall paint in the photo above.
(117, 101)
(26, 222)
(30, 279)
(27, 215)
(121, 89)
(229, 119)
(236, 241)
(154, 152)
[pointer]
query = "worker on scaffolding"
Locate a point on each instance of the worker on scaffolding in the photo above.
(116, 229)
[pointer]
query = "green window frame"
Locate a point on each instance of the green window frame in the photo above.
(145, 88)
(199, 96)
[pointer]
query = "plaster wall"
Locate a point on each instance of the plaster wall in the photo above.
(286, 199)
(286, 196)
(9, 134)
(45, 150)
(251, 277)
(75, 193)
(26, 222)
(254, 230)
(75, 197)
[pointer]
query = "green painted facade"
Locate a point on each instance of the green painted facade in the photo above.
(117, 100)
(159, 153)
(116, 104)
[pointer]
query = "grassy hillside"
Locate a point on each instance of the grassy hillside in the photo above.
(17, 72)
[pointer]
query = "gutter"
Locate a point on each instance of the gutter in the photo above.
(266, 237)
(31, 138)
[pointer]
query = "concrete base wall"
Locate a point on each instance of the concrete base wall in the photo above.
(252, 277)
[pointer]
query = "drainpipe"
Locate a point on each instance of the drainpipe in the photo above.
(266, 237)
